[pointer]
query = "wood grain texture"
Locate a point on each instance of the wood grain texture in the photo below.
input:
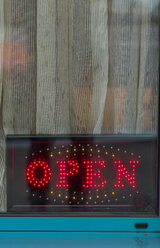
(123, 63)
(132, 72)
(53, 34)
(148, 68)
(19, 85)
(100, 59)
(81, 85)
(61, 114)
(2, 136)
(19, 77)
(46, 66)
(89, 66)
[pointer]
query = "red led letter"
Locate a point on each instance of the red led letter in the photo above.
(66, 169)
(91, 175)
(122, 172)
(38, 173)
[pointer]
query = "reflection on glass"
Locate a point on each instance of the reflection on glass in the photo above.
(77, 67)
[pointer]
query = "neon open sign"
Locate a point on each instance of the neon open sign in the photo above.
(39, 173)
(95, 172)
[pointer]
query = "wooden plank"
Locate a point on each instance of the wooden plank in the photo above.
(62, 100)
(148, 68)
(2, 136)
(89, 66)
(100, 58)
(1, 45)
(19, 81)
(46, 66)
(123, 64)
(19, 77)
(81, 86)
(53, 67)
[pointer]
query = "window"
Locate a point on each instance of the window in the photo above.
(79, 78)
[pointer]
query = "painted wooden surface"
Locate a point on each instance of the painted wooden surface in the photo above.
(70, 240)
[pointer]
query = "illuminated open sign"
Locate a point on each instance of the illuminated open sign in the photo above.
(39, 173)
(98, 174)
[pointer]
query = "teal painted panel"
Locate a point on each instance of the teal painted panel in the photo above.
(78, 235)
(71, 241)
(77, 224)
